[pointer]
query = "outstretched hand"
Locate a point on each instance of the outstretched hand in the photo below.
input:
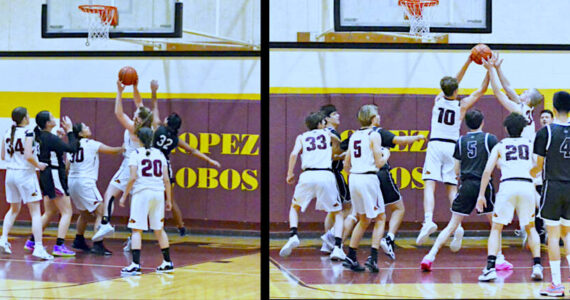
(153, 85)
(120, 86)
(481, 204)
(290, 178)
(496, 60)
(66, 123)
(487, 64)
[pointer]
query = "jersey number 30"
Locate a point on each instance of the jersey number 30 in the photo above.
(77, 156)
(446, 116)
(151, 168)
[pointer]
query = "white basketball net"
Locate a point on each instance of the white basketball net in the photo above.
(99, 22)
(419, 15)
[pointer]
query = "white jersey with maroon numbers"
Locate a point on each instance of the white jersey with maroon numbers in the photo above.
(515, 158)
(85, 162)
(360, 149)
(529, 131)
(317, 149)
(445, 119)
(15, 152)
(149, 169)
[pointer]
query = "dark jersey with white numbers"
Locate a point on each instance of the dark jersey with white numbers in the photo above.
(473, 151)
(165, 140)
(553, 143)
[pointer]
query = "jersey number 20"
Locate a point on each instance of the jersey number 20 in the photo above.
(446, 116)
(151, 167)
(523, 152)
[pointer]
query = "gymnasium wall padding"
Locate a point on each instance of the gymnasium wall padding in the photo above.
(402, 114)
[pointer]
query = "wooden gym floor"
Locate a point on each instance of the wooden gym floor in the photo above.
(307, 274)
(206, 267)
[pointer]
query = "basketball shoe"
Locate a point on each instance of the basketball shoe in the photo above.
(426, 263)
(104, 230)
(372, 265)
(291, 244)
(337, 254)
(488, 275)
(502, 264)
(427, 229)
(29, 245)
(455, 244)
(352, 264)
(5, 247)
(387, 245)
(553, 290)
(62, 251)
(132, 269)
(165, 267)
(40, 252)
(537, 272)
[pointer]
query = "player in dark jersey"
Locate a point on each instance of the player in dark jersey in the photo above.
(546, 117)
(166, 140)
(53, 179)
(471, 154)
(552, 145)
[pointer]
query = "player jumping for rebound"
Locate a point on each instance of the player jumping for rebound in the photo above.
(364, 158)
(447, 113)
(471, 153)
(316, 146)
(516, 193)
(552, 145)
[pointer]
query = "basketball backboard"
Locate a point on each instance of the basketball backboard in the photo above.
(137, 18)
(449, 16)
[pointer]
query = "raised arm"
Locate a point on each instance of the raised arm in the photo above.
(137, 95)
(293, 160)
(110, 150)
(198, 154)
(469, 101)
(503, 99)
(511, 94)
(58, 144)
(407, 140)
(121, 116)
(463, 69)
(156, 118)
(489, 167)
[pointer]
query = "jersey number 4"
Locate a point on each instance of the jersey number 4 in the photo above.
(151, 168)
(446, 116)
(16, 147)
(523, 152)
(565, 148)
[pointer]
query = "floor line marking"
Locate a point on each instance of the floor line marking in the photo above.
(303, 284)
(68, 263)
(409, 268)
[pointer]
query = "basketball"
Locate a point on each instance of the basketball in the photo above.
(128, 75)
(480, 52)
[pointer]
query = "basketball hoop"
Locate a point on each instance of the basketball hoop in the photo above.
(419, 19)
(100, 18)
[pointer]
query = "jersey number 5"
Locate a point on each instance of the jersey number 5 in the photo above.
(446, 116)
(151, 168)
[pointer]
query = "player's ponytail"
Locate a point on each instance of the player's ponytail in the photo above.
(18, 115)
(77, 128)
(145, 135)
(173, 123)
(41, 120)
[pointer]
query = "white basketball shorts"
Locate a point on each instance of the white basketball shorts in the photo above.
(84, 193)
(320, 185)
(439, 164)
(514, 196)
(147, 208)
(366, 194)
(22, 186)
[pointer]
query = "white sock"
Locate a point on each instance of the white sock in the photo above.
(428, 217)
(432, 253)
(38, 244)
(391, 236)
(555, 271)
(568, 259)
(331, 231)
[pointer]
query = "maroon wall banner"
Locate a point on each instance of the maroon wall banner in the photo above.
(401, 114)
(225, 130)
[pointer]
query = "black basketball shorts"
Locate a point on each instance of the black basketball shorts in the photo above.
(52, 184)
(466, 198)
(343, 191)
(390, 190)
(555, 200)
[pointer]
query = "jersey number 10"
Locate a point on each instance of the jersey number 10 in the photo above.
(446, 116)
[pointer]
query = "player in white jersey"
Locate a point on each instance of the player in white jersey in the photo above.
(21, 180)
(447, 114)
(516, 193)
(317, 147)
(143, 117)
(148, 181)
(83, 169)
(523, 104)
(364, 158)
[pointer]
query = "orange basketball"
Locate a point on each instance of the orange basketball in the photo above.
(480, 52)
(128, 75)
